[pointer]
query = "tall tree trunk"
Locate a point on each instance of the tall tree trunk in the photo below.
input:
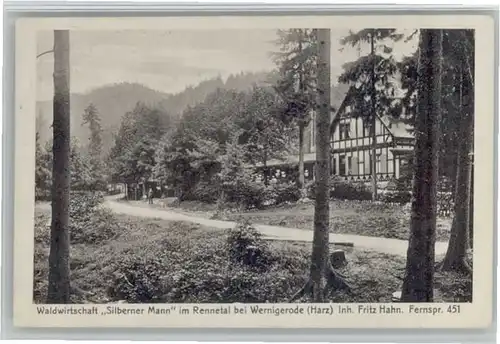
(320, 256)
(322, 276)
(419, 277)
(301, 158)
(59, 282)
(455, 259)
(266, 173)
(373, 116)
(302, 125)
(374, 159)
(471, 206)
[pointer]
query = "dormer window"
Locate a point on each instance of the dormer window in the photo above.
(344, 131)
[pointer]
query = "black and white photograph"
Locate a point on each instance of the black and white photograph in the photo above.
(254, 166)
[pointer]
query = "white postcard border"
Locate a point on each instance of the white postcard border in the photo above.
(477, 314)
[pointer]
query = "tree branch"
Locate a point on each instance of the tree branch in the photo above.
(410, 37)
(466, 58)
(469, 69)
(45, 52)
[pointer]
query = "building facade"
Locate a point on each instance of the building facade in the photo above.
(351, 147)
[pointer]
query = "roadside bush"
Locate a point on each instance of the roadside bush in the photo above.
(281, 193)
(42, 228)
(207, 192)
(445, 204)
(404, 182)
(89, 222)
(348, 190)
(245, 193)
(399, 197)
(246, 246)
(40, 272)
(94, 228)
(343, 189)
(138, 281)
(310, 190)
(83, 203)
(232, 266)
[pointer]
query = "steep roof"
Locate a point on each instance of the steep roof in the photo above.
(396, 126)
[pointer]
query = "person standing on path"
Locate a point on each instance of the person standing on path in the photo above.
(150, 196)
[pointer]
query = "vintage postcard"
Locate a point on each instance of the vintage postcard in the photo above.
(327, 171)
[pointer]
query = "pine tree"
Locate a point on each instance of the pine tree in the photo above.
(132, 158)
(372, 76)
(59, 279)
(92, 118)
(418, 284)
(461, 229)
(264, 135)
(322, 276)
(296, 85)
(456, 138)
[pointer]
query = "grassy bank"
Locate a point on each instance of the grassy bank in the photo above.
(346, 217)
(152, 260)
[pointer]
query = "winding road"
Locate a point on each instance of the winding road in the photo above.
(381, 245)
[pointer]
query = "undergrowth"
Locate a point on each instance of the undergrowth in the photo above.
(157, 261)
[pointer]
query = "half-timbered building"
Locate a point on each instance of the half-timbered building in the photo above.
(351, 147)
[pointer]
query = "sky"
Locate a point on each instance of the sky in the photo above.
(169, 61)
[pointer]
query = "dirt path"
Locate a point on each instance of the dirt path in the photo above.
(382, 245)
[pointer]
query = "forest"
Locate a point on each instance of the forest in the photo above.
(211, 158)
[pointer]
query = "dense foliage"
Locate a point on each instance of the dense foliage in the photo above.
(90, 223)
(212, 152)
(153, 261)
(84, 177)
(132, 158)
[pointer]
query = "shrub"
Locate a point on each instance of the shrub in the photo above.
(89, 222)
(343, 189)
(42, 229)
(310, 190)
(348, 190)
(445, 184)
(246, 193)
(399, 197)
(246, 246)
(445, 204)
(83, 203)
(205, 191)
(93, 228)
(138, 281)
(169, 268)
(281, 193)
(40, 272)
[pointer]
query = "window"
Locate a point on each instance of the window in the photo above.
(349, 165)
(344, 131)
(377, 162)
(366, 128)
(333, 169)
(342, 165)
